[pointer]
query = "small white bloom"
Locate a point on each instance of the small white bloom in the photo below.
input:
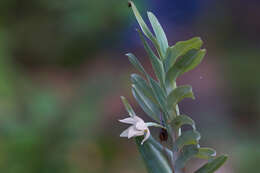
(138, 128)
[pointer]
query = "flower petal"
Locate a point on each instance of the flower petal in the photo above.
(140, 125)
(133, 132)
(147, 135)
(124, 133)
(128, 121)
(138, 119)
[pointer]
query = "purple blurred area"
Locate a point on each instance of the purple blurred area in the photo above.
(63, 69)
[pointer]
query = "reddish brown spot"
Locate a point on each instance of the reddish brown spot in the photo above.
(129, 4)
(163, 135)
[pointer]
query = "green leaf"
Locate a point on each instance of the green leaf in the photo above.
(142, 86)
(195, 61)
(182, 120)
(186, 154)
(179, 49)
(206, 153)
(154, 159)
(189, 61)
(159, 33)
(146, 104)
(155, 61)
(213, 165)
(153, 124)
(141, 22)
(159, 94)
(136, 63)
(145, 28)
(186, 138)
(178, 94)
(128, 107)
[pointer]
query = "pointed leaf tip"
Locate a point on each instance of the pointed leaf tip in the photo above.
(213, 165)
(159, 33)
(128, 107)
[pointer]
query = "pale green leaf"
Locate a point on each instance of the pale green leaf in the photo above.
(213, 165)
(128, 107)
(182, 120)
(154, 159)
(141, 22)
(159, 33)
(186, 154)
(179, 49)
(142, 86)
(159, 94)
(136, 63)
(189, 61)
(178, 94)
(206, 153)
(186, 138)
(146, 104)
(155, 61)
(145, 28)
(195, 61)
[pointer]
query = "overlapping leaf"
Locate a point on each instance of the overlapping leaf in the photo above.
(206, 153)
(178, 94)
(145, 28)
(128, 107)
(154, 159)
(213, 165)
(182, 120)
(187, 153)
(186, 138)
(136, 63)
(155, 61)
(146, 104)
(159, 33)
(179, 49)
(142, 86)
(190, 60)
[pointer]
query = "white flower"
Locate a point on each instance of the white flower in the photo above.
(138, 128)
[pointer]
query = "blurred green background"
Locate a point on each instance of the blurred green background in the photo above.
(62, 70)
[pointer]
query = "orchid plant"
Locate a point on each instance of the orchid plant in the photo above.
(159, 99)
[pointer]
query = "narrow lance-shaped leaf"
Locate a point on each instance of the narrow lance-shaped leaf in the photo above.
(206, 153)
(155, 160)
(179, 49)
(147, 105)
(159, 33)
(213, 165)
(182, 120)
(136, 63)
(144, 27)
(186, 138)
(141, 22)
(128, 107)
(186, 154)
(190, 60)
(155, 61)
(159, 95)
(178, 94)
(142, 85)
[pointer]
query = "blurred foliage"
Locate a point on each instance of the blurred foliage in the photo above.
(37, 125)
(61, 32)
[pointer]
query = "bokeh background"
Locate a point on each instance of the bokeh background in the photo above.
(63, 69)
